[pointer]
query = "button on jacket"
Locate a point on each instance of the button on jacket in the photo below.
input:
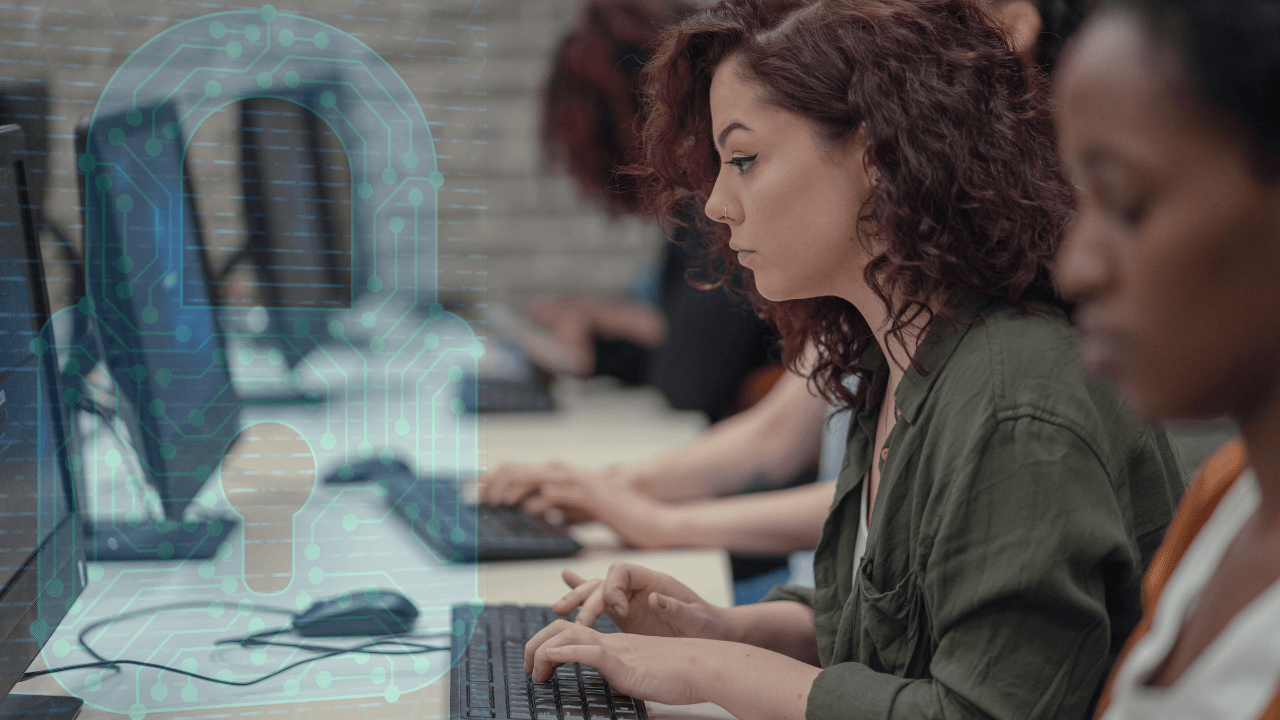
(1016, 512)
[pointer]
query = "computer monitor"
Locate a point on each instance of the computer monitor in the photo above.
(41, 554)
(298, 248)
(161, 339)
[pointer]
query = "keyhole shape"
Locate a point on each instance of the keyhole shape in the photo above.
(268, 474)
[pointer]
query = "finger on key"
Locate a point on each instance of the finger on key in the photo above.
(573, 637)
(593, 607)
(555, 628)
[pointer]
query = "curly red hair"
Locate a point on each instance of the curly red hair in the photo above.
(970, 199)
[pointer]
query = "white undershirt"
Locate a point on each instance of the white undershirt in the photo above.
(1236, 675)
(860, 544)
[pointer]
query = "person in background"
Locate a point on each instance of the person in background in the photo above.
(676, 500)
(1170, 123)
(886, 173)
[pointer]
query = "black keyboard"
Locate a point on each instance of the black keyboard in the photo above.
(486, 395)
(466, 533)
(488, 680)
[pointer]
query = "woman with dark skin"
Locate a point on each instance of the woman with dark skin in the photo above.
(885, 171)
(1170, 123)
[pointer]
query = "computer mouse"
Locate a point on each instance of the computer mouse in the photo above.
(370, 612)
(363, 470)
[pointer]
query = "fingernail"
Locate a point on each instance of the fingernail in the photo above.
(662, 602)
(619, 610)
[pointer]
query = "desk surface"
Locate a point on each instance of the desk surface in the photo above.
(598, 425)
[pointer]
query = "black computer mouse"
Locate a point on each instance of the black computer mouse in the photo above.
(363, 470)
(370, 612)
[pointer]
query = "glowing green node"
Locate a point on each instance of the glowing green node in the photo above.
(61, 648)
(189, 693)
(252, 32)
(216, 608)
(217, 30)
(112, 458)
(86, 162)
(291, 378)
(291, 686)
(55, 587)
(436, 179)
(457, 535)
(402, 427)
(196, 418)
(431, 341)
(396, 223)
(264, 79)
(116, 136)
(170, 130)
(457, 406)
(124, 203)
(275, 356)
(38, 346)
(150, 314)
(292, 79)
(102, 181)
(258, 657)
(421, 664)
(328, 99)
(234, 49)
(328, 441)
(137, 711)
(365, 191)
(454, 374)
(349, 522)
(459, 628)
(96, 572)
(124, 263)
(208, 499)
(190, 665)
(321, 40)
(124, 289)
(436, 311)
(245, 356)
(164, 550)
(212, 89)
(138, 372)
(374, 284)
(76, 607)
(476, 350)
(214, 527)
(93, 683)
(71, 396)
(156, 407)
(416, 197)
(323, 678)
(206, 569)
(229, 585)
(335, 328)
(315, 576)
(159, 691)
(411, 510)
(392, 694)
(71, 367)
(74, 463)
(303, 600)
(378, 675)
(244, 607)
(369, 319)
(133, 117)
(164, 376)
(346, 472)
(225, 550)
(225, 675)
(190, 523)
(153, 147)
(433, 526)
(286, 37)
(365, 450)
(268, 12)
(389, 176)
(301, 328)
(256, 625)
(377, 345)
(312, 552)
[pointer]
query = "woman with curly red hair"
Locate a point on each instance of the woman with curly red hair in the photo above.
(885, 172)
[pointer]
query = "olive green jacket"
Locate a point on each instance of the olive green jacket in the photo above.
(1018, 507)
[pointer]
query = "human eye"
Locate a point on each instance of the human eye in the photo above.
(742, 162)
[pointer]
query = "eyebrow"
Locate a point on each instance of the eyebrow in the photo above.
(728, 129)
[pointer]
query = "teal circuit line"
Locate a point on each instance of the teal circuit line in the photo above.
(376, 81)
(390, 197)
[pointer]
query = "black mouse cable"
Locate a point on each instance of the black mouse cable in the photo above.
(399, 640)
(115, 664)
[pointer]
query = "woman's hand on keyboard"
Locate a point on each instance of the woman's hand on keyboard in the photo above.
(519, 484)
(646, 668)
(643, 602)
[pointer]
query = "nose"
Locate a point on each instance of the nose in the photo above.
(717, 207)
(1084, 267)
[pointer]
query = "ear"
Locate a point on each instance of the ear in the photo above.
(1021, 19)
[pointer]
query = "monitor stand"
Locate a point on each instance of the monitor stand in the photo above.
(115, 539)
(39, 707)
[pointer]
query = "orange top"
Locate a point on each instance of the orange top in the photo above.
(1212, 480)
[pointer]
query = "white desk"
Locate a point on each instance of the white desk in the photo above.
(599, 425)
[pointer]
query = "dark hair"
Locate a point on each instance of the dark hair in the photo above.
(970, 200)
(1059, 20)
(591, 101)
(1230, 51)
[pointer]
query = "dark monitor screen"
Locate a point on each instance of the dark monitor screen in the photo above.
(40, 557)
(147, 276)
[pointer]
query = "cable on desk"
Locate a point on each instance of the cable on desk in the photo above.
(255, 639)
